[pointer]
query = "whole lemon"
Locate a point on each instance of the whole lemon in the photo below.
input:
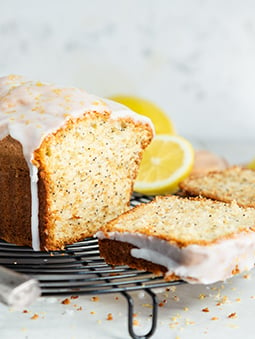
(161, 121)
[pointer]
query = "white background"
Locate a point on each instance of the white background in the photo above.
(196, 59)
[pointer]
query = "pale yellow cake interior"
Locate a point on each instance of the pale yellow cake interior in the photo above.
(235, 183)
(89, 167)
(185, 221)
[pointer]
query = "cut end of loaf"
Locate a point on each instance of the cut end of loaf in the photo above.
(89, 168)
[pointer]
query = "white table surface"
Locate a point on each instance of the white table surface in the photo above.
(180, 317)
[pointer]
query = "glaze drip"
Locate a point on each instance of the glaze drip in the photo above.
(193, 263)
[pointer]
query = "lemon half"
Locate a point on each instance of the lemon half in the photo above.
(162, 123)
(166, 162)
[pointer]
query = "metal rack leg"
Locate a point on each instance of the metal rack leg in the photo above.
(131, 312)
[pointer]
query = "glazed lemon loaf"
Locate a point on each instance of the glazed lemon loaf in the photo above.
(68, 161)
(197, 240)
(234, 183)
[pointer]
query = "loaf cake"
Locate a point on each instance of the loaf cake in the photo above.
(68, 161)
(194, 239)
(234, 183)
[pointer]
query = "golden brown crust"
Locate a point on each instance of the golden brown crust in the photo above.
(232, 184)
(15, 202)
(118, 253)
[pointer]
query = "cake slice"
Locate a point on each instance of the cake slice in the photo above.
(68, 161)
(234, 183)
(197, 240)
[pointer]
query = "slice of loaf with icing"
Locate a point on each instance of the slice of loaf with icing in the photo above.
(234, 183)
(197, 240)
(68, 161)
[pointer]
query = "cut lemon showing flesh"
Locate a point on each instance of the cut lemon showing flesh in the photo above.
(166, 162)
(161, 122)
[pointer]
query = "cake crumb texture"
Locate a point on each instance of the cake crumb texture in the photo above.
(234, 183)
(88, 169)
(185, 221)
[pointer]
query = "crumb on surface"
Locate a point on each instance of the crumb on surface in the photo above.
(175, 317)
(202, 296)
(223, 300)
(232, 315)
(189, 322)
(214, 318)
(147, 305)
(95, 299)
(92, 312)
(162, 303)
(174, 324)
(246, 276)
(206, 309)
(35, 316)
(236, 270)
(109, 316)
(74, 296)
(66, 301)
(233, 326)
(135, 322)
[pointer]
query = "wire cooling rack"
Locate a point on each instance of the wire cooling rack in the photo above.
(79, 270)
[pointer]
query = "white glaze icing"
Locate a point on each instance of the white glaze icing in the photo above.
(193, 263)
(35, 207)
(31, 110)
